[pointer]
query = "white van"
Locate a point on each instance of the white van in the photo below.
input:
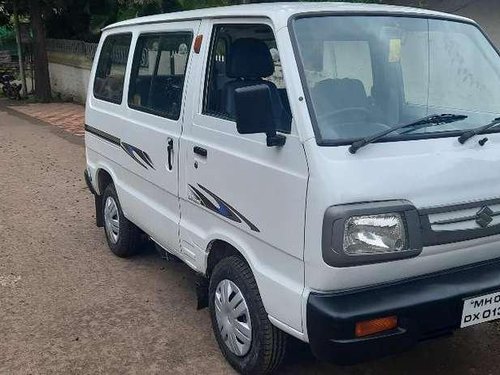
(331, 171)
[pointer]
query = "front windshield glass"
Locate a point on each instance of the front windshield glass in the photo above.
(365, 74)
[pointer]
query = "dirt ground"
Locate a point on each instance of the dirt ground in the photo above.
(68, 306)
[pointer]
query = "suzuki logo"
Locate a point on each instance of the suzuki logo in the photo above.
(484, 217)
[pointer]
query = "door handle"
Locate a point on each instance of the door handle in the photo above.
(200, 151)
(170, 149)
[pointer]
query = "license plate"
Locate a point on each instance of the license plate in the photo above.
(481, 309)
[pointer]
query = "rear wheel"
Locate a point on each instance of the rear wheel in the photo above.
(123, 236)
(246, 337)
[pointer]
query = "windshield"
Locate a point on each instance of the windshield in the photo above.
(365, 74)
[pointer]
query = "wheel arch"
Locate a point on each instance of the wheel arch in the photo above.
(218, 249)
(103, 177)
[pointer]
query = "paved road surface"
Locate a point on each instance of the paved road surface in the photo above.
(67, 306)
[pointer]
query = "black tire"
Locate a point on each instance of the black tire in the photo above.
(268, 344)
(129, 236)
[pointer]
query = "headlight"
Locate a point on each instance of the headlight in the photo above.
(374, 234)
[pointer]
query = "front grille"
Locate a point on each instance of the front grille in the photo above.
(447, 224)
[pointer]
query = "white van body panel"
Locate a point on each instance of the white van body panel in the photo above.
(273, 181)
(427, 173)
(280, 194)
(155, 189)
(111, 117)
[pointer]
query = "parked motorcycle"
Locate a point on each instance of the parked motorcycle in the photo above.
(10, 89)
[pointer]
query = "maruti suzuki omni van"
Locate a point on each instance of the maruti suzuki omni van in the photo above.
(331, 171)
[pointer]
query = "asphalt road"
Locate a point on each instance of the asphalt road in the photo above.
(68, 306)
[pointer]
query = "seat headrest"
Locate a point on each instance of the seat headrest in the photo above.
(249, 58)
(340, 93)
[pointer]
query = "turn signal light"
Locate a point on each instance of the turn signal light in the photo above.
(370, 327)
(197, 43)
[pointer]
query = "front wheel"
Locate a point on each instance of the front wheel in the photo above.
(246, 337)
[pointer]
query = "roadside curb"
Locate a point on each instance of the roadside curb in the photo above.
(8, 106)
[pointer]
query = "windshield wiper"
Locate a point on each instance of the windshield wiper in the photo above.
(480, 130)
(415, 125)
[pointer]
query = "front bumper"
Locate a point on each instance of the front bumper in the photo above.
(427, 307)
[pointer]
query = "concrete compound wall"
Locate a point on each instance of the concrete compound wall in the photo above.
(69, 81)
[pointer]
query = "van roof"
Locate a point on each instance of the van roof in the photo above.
(279, 13)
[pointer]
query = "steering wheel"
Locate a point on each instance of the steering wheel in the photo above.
(365, 112)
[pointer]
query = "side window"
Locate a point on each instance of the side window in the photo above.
(244, 55)
(110, 74)
(158, 73)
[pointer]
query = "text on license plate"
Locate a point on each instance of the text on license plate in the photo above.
(481, 309)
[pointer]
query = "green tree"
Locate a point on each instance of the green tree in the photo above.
(34, 9)
(42, 77)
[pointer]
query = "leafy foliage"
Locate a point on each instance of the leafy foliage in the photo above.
(83, 19)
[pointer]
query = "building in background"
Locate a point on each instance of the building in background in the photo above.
(485, 12)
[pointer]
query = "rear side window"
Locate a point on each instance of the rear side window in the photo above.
(110, 74)
(158, 73)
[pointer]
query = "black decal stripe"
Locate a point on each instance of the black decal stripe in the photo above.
(136, 153)
(248, 222)
(106, 136)
(224, 209)
(196, 194)
(131, 152)
(144, 156)
(147, 159)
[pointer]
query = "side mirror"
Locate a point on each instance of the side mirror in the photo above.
(254, 113)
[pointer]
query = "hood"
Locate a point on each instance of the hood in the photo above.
(448, 183)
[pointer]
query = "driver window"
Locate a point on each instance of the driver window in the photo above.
(244, 55)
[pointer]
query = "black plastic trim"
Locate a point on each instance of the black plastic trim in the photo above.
(432, 238)
(333, 232)
(426, 307)
(200, 151)
(312, 115)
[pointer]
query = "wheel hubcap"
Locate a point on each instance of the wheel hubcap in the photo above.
(233, 317)
(111, 219)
